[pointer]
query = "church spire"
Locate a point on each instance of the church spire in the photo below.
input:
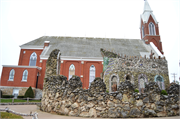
(147, 12)
(147, 7)
(149, 27)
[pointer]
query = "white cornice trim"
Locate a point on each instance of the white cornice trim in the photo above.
(46, 41)
(12, 87)
(32, 47)
(76, 58)
(21, 66)
(156, 50)
(150, 35)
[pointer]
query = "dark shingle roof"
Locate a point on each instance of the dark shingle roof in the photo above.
(89, 47)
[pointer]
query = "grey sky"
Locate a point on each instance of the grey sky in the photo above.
(24, 20)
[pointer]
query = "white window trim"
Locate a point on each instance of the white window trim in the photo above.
(90, 74)
(24, 81)
(69, 71)
(13, 75)
(10, 80)
(32, 56)
(23, 76)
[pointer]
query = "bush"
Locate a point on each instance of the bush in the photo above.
(163, 92)
(7, 96)
(29, 93)
(107, 91)
(136, 90)
(20, 97)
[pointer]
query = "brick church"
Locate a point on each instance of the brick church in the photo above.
(80, 56)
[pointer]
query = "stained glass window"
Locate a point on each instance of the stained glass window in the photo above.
(142, 31)
(71, 70)
(33, 59)
(151, 29)
(25, 75)
(11, 75)
(92, 74)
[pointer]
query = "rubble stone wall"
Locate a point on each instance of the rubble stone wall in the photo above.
(134, 67)
(69, 98)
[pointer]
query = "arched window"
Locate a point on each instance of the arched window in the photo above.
(33, 59)
(11, 75)
(25, 75)
(71, 70)
(152, 29)
(160, 81)
(142, 31)
(92, 73)
(114, 84)
(142, 80)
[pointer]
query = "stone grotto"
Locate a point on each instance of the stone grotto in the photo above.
(67, 97)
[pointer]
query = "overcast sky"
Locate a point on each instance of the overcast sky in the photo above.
(24, 20)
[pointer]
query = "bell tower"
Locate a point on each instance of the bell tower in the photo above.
(149, 28)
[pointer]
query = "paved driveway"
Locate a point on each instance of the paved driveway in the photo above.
(43, 115)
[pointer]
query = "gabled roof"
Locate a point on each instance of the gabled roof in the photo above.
(146, 13)
(89, 47)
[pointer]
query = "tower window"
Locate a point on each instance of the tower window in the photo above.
(152, 29)
(25, 75)
(92, 72)
(33, 59)
(143, 32)
(11, 75)
(71, 70)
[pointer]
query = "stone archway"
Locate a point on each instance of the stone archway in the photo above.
(160, 81)
(142, 80)
(113, 82)
(129, 77)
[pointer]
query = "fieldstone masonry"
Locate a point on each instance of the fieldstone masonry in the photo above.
(133, 68)
(68, 98)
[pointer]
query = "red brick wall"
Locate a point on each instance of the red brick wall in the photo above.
(81, 69)
(25, 57)
(155, 38)
(31, 80)
(42, 74)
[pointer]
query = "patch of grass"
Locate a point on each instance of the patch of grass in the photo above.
(17, 100)
(5, 100)
(163, 92)
(136, 90)
(5, 115)
(34, 100)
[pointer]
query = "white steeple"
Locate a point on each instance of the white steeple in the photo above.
(147, 8)
(146, 13)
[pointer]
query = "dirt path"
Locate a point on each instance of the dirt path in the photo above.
(43, 115)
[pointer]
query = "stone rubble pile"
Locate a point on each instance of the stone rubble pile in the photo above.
(69, 98)
(97, 86)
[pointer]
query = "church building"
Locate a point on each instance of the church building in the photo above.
(80, 56)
